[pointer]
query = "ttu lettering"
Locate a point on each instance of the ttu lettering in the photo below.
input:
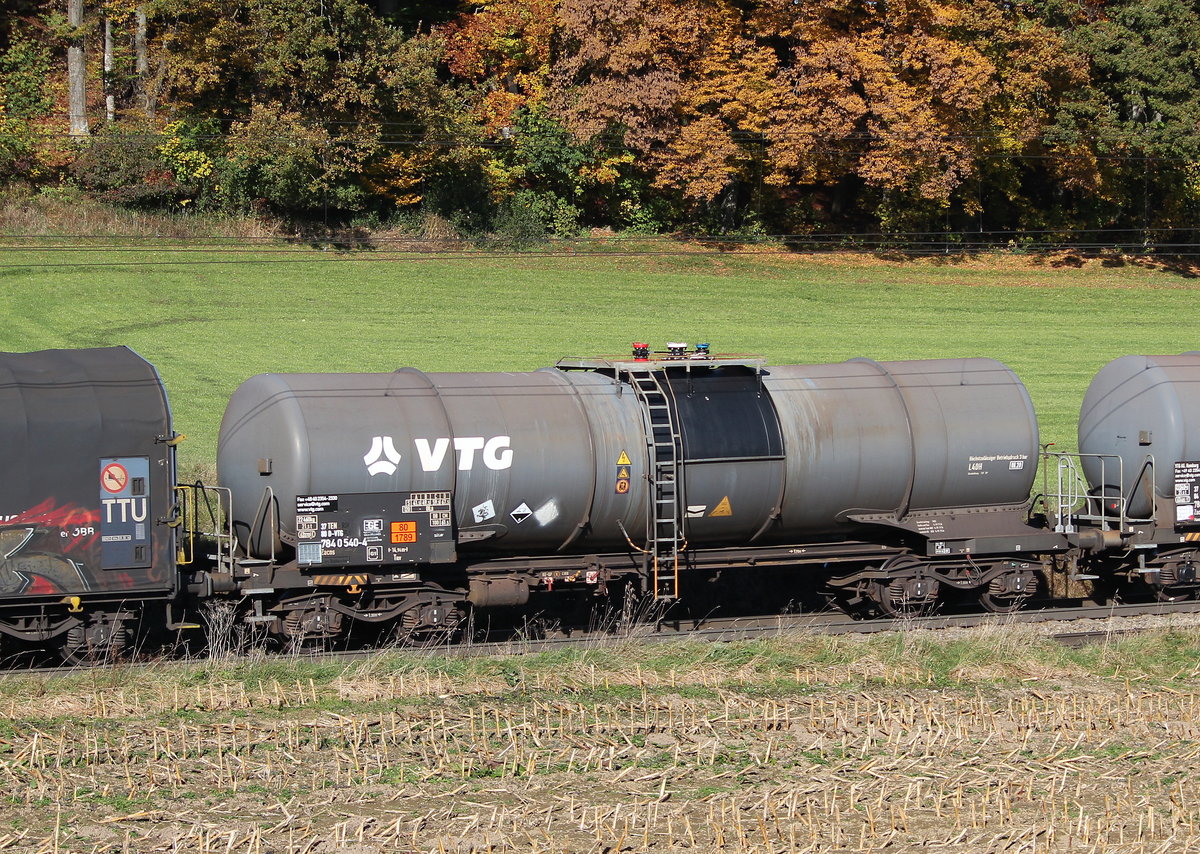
(126, 509)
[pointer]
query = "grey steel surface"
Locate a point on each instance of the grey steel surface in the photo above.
(536, 460)
(531, 458)
(1137, 407)
(865, 436)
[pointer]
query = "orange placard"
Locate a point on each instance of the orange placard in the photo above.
(404, 532)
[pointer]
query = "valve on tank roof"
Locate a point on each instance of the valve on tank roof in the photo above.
(641, 351)
(677, 348)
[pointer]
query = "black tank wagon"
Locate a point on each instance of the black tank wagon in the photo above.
(87, 478)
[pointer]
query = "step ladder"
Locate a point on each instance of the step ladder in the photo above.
(664, 524)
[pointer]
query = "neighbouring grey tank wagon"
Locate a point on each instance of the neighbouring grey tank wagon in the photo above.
(1139, 436)
(87, 456)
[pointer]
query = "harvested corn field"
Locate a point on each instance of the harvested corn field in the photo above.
(997, 741)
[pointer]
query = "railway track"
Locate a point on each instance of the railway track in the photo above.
(718, 629)
(834, 623)
(825, 623)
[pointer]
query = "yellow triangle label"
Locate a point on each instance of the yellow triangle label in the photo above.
(722, 509)
(623, 473)
(623, 460)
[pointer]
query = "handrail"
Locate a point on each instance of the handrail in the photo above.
(266, 507)
(1072, 495)
(220, 529)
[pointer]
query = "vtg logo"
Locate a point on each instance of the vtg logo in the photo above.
(495, 452)
(381, 447)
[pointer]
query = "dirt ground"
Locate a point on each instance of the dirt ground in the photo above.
(709, 758)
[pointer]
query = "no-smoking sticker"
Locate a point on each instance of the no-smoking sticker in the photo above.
(113, 478)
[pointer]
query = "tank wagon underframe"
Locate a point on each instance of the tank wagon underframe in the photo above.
(880, 576)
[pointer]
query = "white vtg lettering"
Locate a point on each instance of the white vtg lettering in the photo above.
(131, 509)
(495, 452)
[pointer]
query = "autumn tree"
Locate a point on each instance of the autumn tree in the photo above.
(305, 92)
(24, 99)
(500, 53)
(502, 49)
(907, 97)
(723, 111)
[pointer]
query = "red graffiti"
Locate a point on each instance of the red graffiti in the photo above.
(80, 524)
(40, 585)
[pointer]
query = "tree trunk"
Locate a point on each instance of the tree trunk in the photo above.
(141, 58)
(141, 63)
(110, 99)
(76, 71)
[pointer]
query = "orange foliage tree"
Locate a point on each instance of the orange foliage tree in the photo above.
(912, 97)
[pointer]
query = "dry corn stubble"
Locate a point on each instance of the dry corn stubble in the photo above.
(702, 756)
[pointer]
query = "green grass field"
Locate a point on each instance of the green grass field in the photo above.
(1003, 739)
(208, 320)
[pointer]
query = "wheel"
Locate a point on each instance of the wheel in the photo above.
(900, 598)
(1002, 604)
(101, 642)
(1175, 593)
(906, 591)
(1176, 582)
(1009, 592)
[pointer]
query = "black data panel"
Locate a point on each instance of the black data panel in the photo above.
(361, 529)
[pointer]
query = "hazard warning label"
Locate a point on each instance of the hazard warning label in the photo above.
(623, 478)
(723, 508)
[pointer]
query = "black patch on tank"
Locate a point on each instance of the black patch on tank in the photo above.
(726, 415)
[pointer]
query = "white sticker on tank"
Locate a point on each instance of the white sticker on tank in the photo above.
(484, 511)
(979, 464)
(696, 510)
(547, 513)
(521, 513)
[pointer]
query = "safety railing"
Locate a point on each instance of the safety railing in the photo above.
(1072, 501)
(204, 517)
